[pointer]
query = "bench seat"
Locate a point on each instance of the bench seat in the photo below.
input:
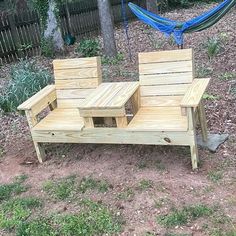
(61, 120)
(159, 119)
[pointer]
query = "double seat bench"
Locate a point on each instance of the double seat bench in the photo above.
(162, 108)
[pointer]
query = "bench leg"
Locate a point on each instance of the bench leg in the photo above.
(202, 120)
(194, 153)
(40, 152)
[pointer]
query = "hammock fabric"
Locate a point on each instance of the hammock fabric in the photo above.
(176, 28)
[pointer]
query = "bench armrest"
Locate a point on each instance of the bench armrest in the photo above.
(194, 93)
(40, 100)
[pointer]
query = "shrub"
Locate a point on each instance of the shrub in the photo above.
(88, 48)
(26, 80)
(47, 47)
(213, 46)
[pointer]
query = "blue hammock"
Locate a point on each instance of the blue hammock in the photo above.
(176, 28)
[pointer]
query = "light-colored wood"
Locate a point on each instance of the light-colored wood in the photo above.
(69, 103)
(102, 112)
(194, 94)
(114, 135)
(87, 62)
(110, 95)
(169, 78)
(77, 83)
(161, 101)
(166, 56)
(73, 93)
(35, 99)
(88, 122)
(202, 121)
(79, 73)
(159, 119)
(121, 122)
(135, 100)
(166, 67)
(61, 119)
(162, 90)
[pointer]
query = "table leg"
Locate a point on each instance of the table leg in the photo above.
(88, 122)
(121, 122)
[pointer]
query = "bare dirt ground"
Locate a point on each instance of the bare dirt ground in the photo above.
(125, 166)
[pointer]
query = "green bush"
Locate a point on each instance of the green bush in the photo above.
(88, 48)
(26, 80)
(47, 47)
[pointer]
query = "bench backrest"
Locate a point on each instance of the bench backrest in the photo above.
(75, 79)
(165, 76)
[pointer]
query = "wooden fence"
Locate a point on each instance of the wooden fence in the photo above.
(20, 32)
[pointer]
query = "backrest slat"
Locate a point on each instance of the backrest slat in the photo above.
(165, 76)
(75, 79)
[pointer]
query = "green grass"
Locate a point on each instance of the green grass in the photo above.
(215, 176)
(89, 183)
(227, 76)
(113, 60)
(203, 72)
(127, 194)
(183, 216)
(145, 184)
(60, 189)
(15, 188)
(176, 234)
(213, 47)
(210, 96)
(15, 211)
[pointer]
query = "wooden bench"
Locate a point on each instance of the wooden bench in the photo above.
(167, 103)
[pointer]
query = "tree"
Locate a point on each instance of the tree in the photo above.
(152, 5)
(107, 28)
(48, 11)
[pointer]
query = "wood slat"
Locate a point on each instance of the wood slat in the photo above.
(78, 73)
(170, 78)
(165, 67)
(194, 94)
(69, 103)
(77, 83)
(166, 56)
(156, 101)
(76, 63)
(73, 93)
(61, 119)
(162, 90)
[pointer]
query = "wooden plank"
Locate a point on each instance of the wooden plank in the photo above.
(69, 103)
(162, 101)
(88, 122)
(37, 97)
(166, 67)
(194, 94)
(88, 62)
(170, 78)
(77, 73)
(61, 119)
(166, 56)
(162, 90)
(77, 83)
(135, 101)
(121, 122)
(113, 135)
(102, 112)
(73, 93)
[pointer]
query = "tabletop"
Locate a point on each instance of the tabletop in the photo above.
(110, 95)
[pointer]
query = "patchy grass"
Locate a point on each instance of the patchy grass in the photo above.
(127, 194)
(210, 96)
(15, 188)
(215, 176)
(145, 184)
(60, 189)
(15, 211)
(183, 216)
(161, 202)
(176, 234)
(227, 76)
(203, 72)
(88, 183)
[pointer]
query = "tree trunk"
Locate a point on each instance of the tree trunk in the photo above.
(52, 30)
(107, 28)
(69, 25)
(152, 5)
